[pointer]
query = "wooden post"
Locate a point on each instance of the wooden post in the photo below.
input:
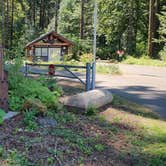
(3, 85)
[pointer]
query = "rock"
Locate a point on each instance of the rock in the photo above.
(35, 104)
(47, 122)
(10, 115)
(96, 98)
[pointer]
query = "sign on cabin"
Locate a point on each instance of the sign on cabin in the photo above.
(49, 47)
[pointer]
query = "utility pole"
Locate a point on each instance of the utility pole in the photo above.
(94, 47)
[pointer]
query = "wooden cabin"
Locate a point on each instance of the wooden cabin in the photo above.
(48, 47)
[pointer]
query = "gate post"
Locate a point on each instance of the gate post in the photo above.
(93, 83)
(88, 71)
(26, 69)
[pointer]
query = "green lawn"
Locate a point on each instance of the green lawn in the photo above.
(144, 132)
(144, 61)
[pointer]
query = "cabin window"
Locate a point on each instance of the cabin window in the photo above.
(37, 51)
(44, 51)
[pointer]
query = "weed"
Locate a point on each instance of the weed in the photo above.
(1, 151)
(14, 158)
(29, 120)
(99, 147)
(91, 110)
(2, 114)
(107, 69)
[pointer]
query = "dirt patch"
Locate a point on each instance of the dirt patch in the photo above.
(80, 141)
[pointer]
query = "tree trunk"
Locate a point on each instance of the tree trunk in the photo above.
(3, 23)
(82, 20)
(151, 27)
(57, 7)
(131, 40)
(12, 25)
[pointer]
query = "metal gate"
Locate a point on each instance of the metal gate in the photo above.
(89, 69)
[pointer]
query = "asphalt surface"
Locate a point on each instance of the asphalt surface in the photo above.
(142, 84)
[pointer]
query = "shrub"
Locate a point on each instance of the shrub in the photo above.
(34, 104)
(91, 110)
(163, 54)
(29, 119)
(86, 58)
(21, 89)
(2, 114)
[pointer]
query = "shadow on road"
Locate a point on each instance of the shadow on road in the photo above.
(154, 99)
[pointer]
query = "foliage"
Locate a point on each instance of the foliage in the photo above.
(162, 32)
(29, 119)
(2, 114)
(21, 89)
(86, 145)
(144, 61)
(86, 58)
(34, 104)
(13, 157)
(121, 24)
(91, 110)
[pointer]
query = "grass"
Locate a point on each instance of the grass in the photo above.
(144, 61)
(108, 69)
(121, 103)
(143, 130)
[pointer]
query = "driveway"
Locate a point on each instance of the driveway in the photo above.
(142, 84)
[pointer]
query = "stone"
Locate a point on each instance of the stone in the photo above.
(36, 104)
(95, 98)
(10, 115)
(47, 122)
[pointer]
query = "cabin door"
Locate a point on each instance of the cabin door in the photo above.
(54, 54)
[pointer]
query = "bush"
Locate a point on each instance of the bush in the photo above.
(105, 53)
(2, 114)
(163, 54)
(22, 89)
(29, 120)
(34, 104)
(86, 58)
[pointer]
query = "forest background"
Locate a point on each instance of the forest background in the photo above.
(136, 26)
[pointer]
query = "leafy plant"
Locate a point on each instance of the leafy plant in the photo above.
(86, 58)
(91, 110)
(14, 158)
(29, 119)
(2, 114)
(99, 147)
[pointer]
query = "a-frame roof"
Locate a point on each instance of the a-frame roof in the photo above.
(58, 36)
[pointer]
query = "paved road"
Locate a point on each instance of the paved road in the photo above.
(142, 84)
